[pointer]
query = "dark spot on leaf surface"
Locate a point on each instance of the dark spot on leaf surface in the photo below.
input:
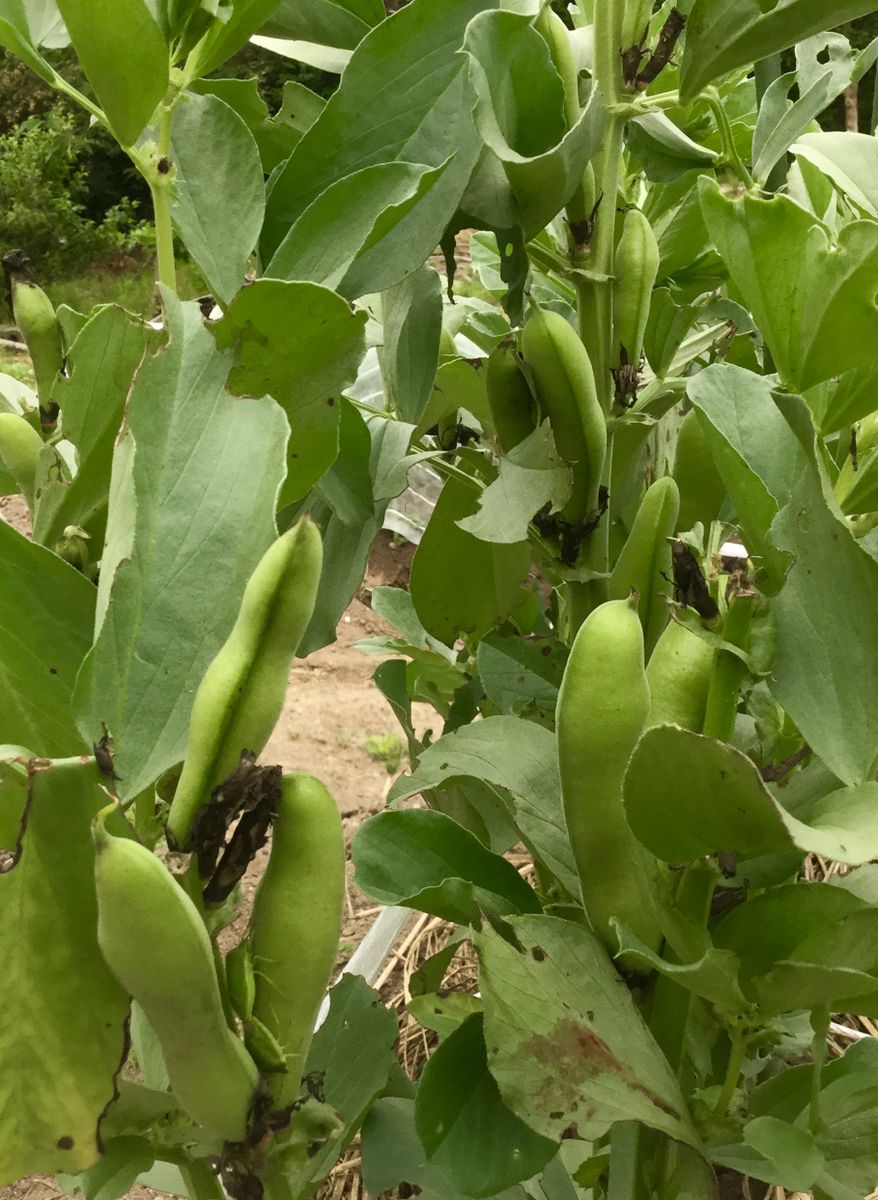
(546, 651)
(572, 1131)
(65, 1143)
(539, 955)
(53, 670)
(331, 401)
(555, 1116)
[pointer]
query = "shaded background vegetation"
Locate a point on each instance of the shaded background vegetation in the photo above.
(72, 199)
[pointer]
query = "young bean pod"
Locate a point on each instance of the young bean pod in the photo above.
(38, 324)
(296, 921)
(509, 398)
(20, 447)
(644, 563)
(602, 710)
(241, 695)
(636, 270)
(156, 944)
(567, 395)
(679, 673)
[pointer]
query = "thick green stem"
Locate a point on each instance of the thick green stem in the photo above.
(595, 296)
(722, 697)
(733, 1072)
(200, 1180)
(730, 150)
(820, 1018)
(159, 184)
(625, 1182)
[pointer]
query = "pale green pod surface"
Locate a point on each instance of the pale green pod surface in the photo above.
(296, 921)
(602, 710)
(38, 324)
(242, 693)
(702, 490)
(636, 270)
(857, 490)
(635, 20)
(678, 673)
(20, 447)
(155, 943)
(565, 386)
(644, 564)
(554, 32)
(509, 398)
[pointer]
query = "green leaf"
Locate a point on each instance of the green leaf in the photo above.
(775, 1152)
(820, 673)
(219, 197)
(814, 302)
(520, 757)
(409, 355)
(463, 1123)
(393, 1156)
(195, 476)
(780, 122)
(725, 806)
(724, 34)
(275, 136)
(520, 673)
(532, 475)
(850, 160)
(849, 1111)
(520, 115)
(349, 517)
(124, 1158)
(559, 1023)
(355, 237)
(123, 53)
(459, 583)
(61, 1051)
(46, 621)
(225, 38)
(425, 860)
(755, 452)
(327, 22)
(301, 344)
(100, 367)
(714, 976)
(358, 1029)
(411, 61)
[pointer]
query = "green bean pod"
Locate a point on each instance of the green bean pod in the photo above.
(644, 563)
(554, 33)
(509, 398)
(602, 710)
(856, 488)
(38, 324)
(242, 693)
(636, 15)
(565, 386)
(156, 944)
(679, 673)
(296, 921)
(20, 447)
(636, 270)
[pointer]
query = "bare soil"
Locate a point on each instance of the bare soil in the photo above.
(332, 708)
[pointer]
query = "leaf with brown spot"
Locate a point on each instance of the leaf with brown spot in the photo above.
(567, 1045)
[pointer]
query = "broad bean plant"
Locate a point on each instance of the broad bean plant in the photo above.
(642, 608)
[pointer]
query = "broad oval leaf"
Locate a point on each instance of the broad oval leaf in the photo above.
(687, 795)
(124, 55)
(423, 859)
(724, 34)
(560, 1023)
